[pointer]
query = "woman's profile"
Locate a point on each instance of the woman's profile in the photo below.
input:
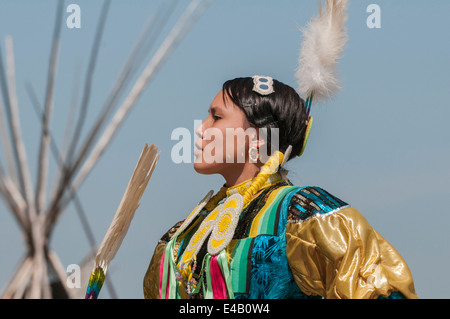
(258, 236)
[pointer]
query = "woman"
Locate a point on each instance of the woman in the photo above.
(259, 236)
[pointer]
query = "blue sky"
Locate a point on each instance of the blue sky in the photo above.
(381, 144)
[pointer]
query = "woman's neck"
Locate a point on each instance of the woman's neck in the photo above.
(236, 176)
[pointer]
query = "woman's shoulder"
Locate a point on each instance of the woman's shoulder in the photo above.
(310, 201)
(169, 234)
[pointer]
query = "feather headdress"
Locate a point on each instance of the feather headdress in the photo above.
(122, 219)
(323, 42)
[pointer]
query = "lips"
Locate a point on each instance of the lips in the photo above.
(198, 144)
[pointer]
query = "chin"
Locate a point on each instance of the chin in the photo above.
(210, 167)
(206, 168)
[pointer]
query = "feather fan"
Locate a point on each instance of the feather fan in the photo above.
(122, 219)
(323, 42)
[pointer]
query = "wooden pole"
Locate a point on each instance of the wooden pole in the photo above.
(182, 26)
(7, 149)
(15, 201)
(88, 79)
(19, 281)
(41, 187)
(36, 225)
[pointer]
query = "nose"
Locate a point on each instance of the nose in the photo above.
(199, 129)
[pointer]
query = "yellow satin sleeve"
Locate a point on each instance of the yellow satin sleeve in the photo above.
(340, 256)
(151, 278)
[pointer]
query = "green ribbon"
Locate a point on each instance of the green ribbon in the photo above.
(170, 268)
(169, 272)
(223, 264)
(207, 291)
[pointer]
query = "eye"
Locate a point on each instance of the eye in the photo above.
(216, 117)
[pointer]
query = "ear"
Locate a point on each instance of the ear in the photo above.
(256, 145)
(256, 140)
(260, 143)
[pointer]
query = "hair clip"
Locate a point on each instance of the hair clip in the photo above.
(263, 84)
(308, 129)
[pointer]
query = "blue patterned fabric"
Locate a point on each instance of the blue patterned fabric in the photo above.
(310, 201)
(270, 275)
(393, 295)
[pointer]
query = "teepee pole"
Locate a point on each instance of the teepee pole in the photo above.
(36, 226)
(60, 271)
(9, 94)
(41, 187)
(14, 199)
(19, 281)
(52, 256)
(177, 33)
(7, 149)
(183, 25)
(29, 206)
(67, 173)
(88, 80)
(121, 83)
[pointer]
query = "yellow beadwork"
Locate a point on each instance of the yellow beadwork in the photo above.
(199, 237)
(227, 221)
(224, 223)
(223, 219)
(216, 243)
(268, 169)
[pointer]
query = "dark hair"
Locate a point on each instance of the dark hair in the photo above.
(283, 109)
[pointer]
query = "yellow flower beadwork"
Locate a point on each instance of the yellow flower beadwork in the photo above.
(224, 229)
(199, 237)
(222, 221)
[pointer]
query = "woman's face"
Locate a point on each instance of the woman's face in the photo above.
(224, 137)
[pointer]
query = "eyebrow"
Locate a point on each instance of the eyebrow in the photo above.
(213, 109)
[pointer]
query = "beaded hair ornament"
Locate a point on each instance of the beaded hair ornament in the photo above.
(264, 85)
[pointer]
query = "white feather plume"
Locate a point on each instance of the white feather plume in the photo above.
(130, 202)
(323, 42)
